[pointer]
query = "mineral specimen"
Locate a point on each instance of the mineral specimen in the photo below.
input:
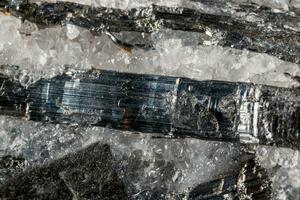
(270, 36)
(179, 107)
(162, 165)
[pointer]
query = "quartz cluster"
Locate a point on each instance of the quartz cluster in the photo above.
(229, 30)
(47, 41)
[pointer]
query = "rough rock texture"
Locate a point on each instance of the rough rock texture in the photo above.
(45, 53)
(284, 165)
(251, 182)
(275, 33)
(151, 167)
(87, 174)
(281, 5)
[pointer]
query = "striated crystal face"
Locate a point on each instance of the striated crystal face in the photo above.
(211, 96)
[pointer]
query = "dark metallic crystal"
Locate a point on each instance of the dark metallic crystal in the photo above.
(251, 183)
(172, 106)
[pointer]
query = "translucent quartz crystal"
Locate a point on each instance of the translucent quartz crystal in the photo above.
(72, 31)
(174, 54)
(284, 165)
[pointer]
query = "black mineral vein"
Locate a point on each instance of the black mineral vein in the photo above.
(87, 174)
(276, 34)
(169, 106)
(251, 182)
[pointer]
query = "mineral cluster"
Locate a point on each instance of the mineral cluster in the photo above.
(158, 99)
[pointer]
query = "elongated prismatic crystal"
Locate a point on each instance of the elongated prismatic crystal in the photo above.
(181, 107)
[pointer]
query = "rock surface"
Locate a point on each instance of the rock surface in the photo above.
(263, 33)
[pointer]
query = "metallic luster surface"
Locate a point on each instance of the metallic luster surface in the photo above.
(171, 106)
(252, 182)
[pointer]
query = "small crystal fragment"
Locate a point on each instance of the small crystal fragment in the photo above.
(252, 182)
(72, 32)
